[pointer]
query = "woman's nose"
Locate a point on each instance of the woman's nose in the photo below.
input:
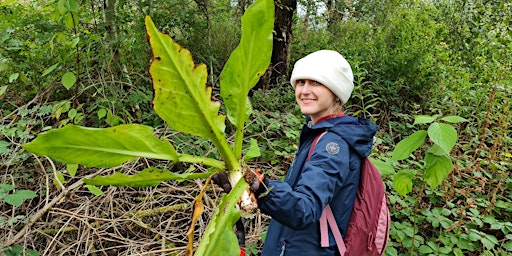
(306, 88)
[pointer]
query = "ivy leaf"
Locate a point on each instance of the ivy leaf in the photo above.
(101, 147)
(443, 135)
(437, 169)
(402, 181)
(405, 147)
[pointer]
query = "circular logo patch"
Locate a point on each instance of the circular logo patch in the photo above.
(332, 148)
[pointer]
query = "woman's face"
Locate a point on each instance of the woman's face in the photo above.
(314, 99)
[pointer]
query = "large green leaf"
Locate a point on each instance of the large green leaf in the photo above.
(182, 98)
(247, 63)
(443, 135)
(437, 169)
(101, 147)
(146, 178)
(405, 147)
(219, 238)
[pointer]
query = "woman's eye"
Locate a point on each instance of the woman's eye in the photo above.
(300, 82)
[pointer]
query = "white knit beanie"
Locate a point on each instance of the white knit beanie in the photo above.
(329, 68)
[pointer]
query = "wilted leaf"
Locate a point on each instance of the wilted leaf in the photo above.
(98, 147)
(405, 147)
(198, 211)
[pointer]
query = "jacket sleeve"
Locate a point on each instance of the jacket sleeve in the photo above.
(319, 180)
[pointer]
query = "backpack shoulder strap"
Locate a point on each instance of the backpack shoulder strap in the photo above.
(313, 145)
(327, 217)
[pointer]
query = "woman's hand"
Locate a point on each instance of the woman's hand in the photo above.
(254, 178)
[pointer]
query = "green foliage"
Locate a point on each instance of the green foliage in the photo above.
(17, 197)
(17, 250)
(146, 178)
(437, 159)
(181, 100)
(97, 147)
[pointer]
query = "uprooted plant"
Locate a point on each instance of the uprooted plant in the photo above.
(184, 101)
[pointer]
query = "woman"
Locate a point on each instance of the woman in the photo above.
(323, 83)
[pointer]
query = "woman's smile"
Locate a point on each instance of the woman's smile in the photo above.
(313, 98)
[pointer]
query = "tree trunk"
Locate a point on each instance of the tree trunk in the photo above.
(110, 27)
(280, 61)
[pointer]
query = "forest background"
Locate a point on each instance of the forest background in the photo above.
(86, 63)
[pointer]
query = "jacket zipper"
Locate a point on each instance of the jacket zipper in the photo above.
(282, 249)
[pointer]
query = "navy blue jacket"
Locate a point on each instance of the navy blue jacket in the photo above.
(331, 176)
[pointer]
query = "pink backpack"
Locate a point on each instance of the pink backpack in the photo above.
(368, 228)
